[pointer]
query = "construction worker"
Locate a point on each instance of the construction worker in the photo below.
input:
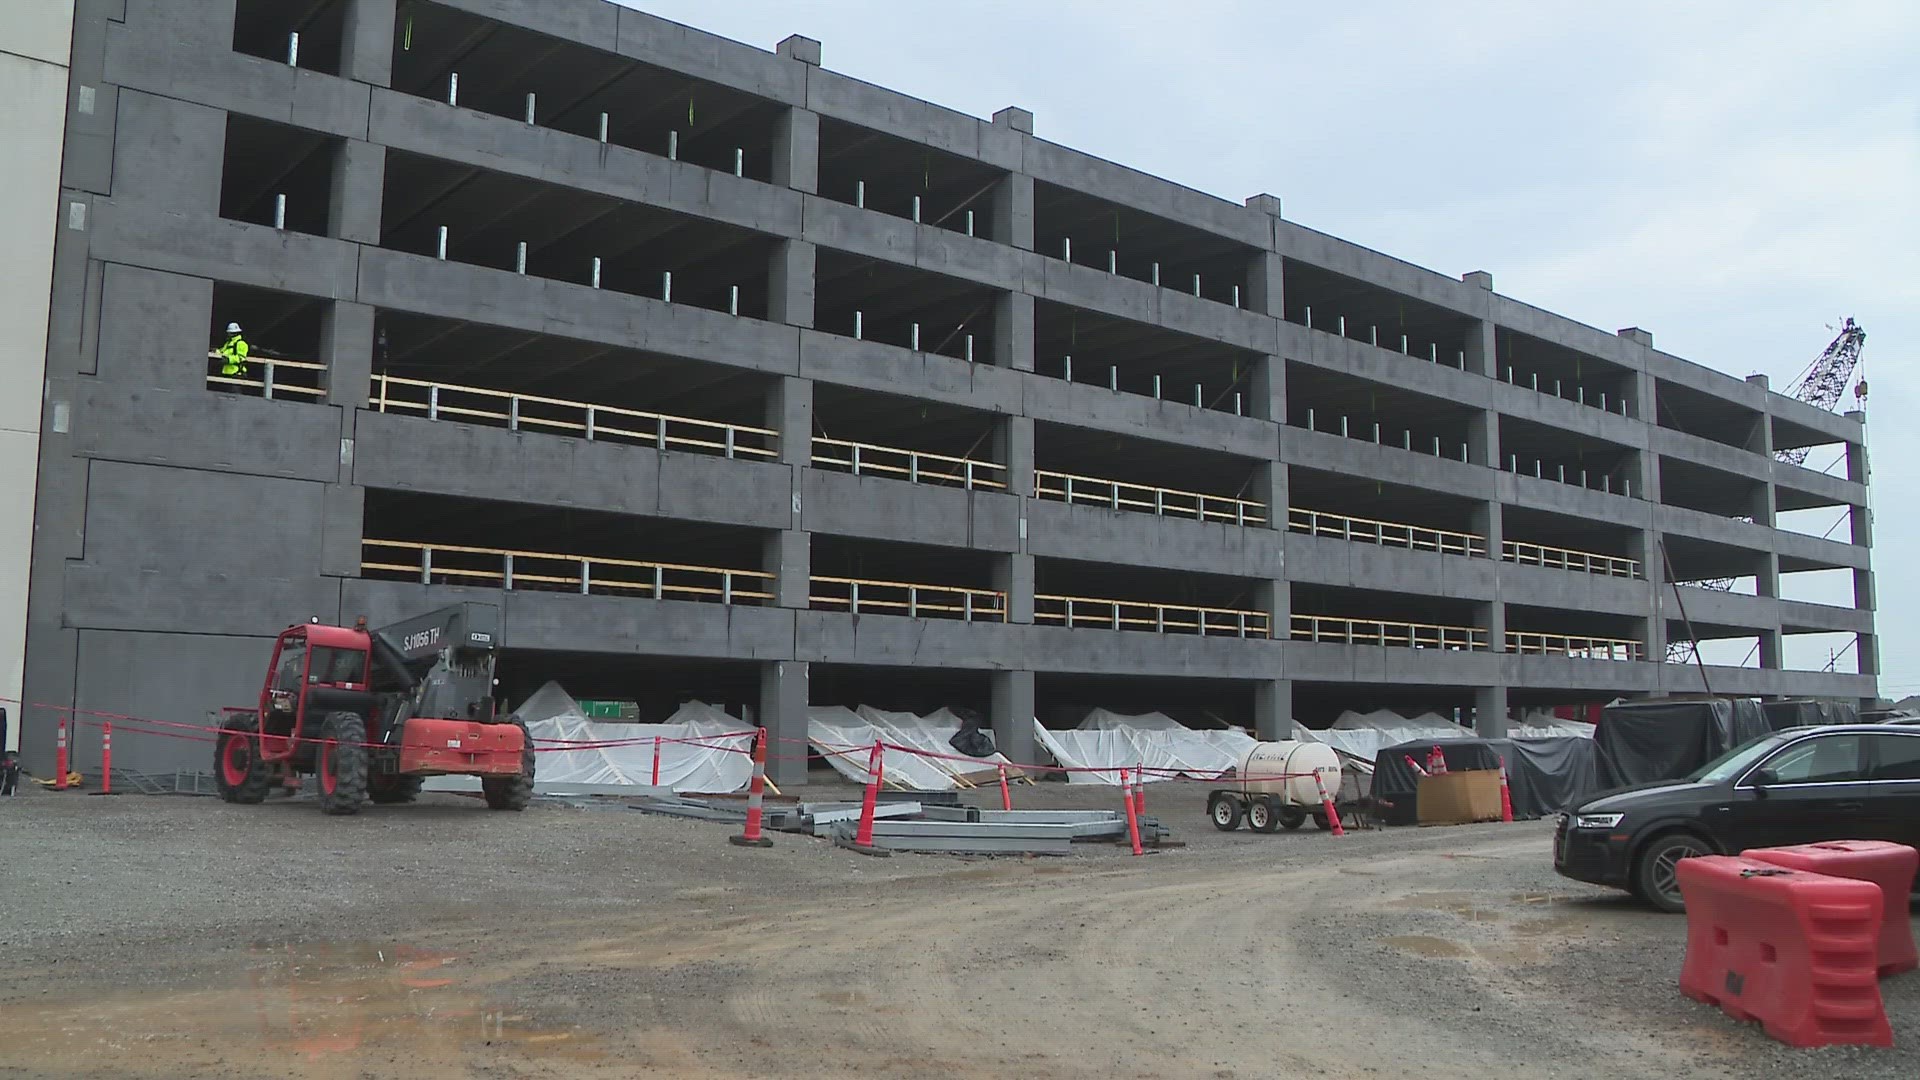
(233, 353)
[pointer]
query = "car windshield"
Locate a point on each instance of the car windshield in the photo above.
(1728, 765)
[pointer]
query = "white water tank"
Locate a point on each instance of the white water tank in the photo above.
(1260, 771)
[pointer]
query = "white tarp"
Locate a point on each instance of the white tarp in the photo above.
(1364, 734)
(1107, 741)
(846, 737)
(711, 765)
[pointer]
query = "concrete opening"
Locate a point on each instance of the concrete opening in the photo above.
(1137, 358)
(1567, 457)
(275, 325)
(1342, 616)
(899, 438)
(1103, 596)
(1104, 235)
(656, 685)
(1358, 311)
(871, 577)
(1705, 416)
(277, 175)
(1819, 517)
(894, 689)
(1338, 404)
(899, 305)
(1833, 587)
(488, 216)
(411, 536)
(1824, 453)
(860, 166)
(1583, 634)
(1833, 651)
(1565, 373)
(1717, 645)
(1093, 468)
(1318, 704)
(1341, 506)
(1692, 561)
(1709, 490)
(647, 108)
(1564, 541)
(412, 349)
(1062, 701)
(265, 28)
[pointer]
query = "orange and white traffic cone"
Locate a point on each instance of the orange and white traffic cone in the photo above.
(1133, 816)
(60, 756)
(862, 841)
(751, 836)
(1326, 805)
(1506, 794)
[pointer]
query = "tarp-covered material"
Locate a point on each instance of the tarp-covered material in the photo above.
(1639, 742)
(555, 722)
(1106, 742)
(845, 737)
(1786, 714)
(1363, 735)
(1544, 776)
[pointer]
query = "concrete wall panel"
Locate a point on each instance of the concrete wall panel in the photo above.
(199, 429)
(877, 508)
(1097, 534)
(153, 328)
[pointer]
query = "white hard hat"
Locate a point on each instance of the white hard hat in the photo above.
(233, 328)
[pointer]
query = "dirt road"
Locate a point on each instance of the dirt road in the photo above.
(159, 937)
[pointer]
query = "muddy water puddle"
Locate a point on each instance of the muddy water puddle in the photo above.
(294, 1010)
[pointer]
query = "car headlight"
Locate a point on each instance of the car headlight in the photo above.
(1596, 821)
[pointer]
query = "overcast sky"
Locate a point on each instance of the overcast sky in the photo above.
(1735, 177)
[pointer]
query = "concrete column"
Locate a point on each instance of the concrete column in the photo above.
(346, 347)
(1273, 710)
(1483, 439)
(1012, 715)
(1013, 575)
(1267, 389)
(1645, 547)
(796, 151)
(366, 48)
(1013, 211)
(1270, 487)
(1013, 447)
(1490, 712)
(1266, 285)
(1489, 520)
(789, 411)
(788, 555)
(359, 183)
(1482, 351)
(1013, 331)
(1275, 597)
(790, 284)
(1771, 650)
(783, 712)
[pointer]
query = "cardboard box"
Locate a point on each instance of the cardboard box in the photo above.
(1457, 798)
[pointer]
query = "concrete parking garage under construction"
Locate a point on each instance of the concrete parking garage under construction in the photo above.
(731, 377)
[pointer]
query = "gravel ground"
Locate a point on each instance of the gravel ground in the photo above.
(184, 937)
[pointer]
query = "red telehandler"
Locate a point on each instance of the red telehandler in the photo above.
(372, 712)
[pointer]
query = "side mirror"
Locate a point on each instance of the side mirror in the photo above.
(1761, 779)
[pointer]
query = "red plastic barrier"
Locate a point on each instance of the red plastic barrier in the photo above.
(1888, 865)
(1793, 950)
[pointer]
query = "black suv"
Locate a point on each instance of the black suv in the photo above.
(1850, 782)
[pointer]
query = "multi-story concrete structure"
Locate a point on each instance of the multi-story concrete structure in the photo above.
(732, 377)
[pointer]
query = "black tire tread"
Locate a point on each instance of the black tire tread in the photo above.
(348, 755)
(259, 781)
(391, 789)
(512, 792)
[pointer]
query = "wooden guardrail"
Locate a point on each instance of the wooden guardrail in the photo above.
(1111, 614)
(547, 571)
(913, 466)
(278, 377)
(1529, 643)
(1077, 490)
(1385, 533)
(863, 596)
(1389, 633)
(1559, 558)
(583, 419)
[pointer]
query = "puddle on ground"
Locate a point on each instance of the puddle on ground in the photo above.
(1469, 906)
(1423, 945)
(1504, 953)
(293, 1010)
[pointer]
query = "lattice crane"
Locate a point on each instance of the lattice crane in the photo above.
(1823, 384)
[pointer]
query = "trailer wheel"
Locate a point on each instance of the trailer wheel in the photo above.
(341, 761)
(389, 788)
(1224, 810)
(1292, 817)
(512, 792)
(1263, 816)
(1322, 821)
(237, 768)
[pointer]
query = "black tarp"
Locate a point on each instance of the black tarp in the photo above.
(1786, 714)
(1543, 775)
(1639, 742)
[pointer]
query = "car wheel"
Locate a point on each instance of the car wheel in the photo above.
(1656, 870)
(1224, 810)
